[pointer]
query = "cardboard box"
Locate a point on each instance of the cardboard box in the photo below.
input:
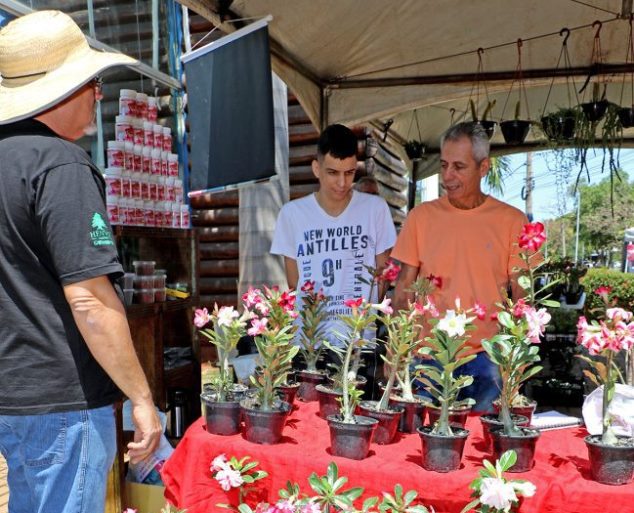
(144, 498)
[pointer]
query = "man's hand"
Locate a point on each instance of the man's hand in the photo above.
(147, 431)
(402, 295)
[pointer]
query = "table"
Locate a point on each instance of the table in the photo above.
(561, 471)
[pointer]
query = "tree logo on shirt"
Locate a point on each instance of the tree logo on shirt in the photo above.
(100, 234)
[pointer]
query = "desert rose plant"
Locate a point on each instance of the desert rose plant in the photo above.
(493, 492)
(227, 326)
(522, 323)
(313, 314)
(235, 473)
(272, 324)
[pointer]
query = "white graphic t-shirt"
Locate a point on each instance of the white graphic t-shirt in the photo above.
(332, 251)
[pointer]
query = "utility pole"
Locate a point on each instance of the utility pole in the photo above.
(563, 239)
(577, 230)
(529, 186)
(547, 240)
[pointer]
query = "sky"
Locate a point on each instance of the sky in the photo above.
(549, 200)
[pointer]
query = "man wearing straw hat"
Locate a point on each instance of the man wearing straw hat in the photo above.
(65, 346)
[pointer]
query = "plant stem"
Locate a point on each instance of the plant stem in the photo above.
(443, 422)
(385, 398)
(347, 415)
(607, 437)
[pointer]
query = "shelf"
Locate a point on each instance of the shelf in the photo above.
(152, 232)
(182, 376)
(171, 305)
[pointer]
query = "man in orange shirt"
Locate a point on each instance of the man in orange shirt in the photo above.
(468, 240)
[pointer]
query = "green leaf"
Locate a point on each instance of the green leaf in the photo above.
(470, 506)
(508, 459)
(524, 282)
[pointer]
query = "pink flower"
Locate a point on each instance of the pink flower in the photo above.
(391, 271)
(430, 308)
(252, 297)
(603, 292)
(226, 315)
(480, 310)
(630, 252)
(536, 320)
(229, 478)
(384, 306)
(532, 236)
(201, 317)
(263, 309)
(353, 303)
(308, 286)
(436, 281)
(618, 314)
(494, 316)
(283, 507)
(219, 463)
(519, 308)
(258, 326)
(287, 301)
(310, 507)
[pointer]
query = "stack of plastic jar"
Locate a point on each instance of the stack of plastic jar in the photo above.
(143, 187)
(148, 282)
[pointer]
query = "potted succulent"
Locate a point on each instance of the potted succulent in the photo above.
(414, 149)
(272, 325)
(313, 313)
(611, 456)
(595, 109)
(514, 351)
(515, 130)
(446, 350)
(572, 275)
(222, 408)
(488, 125)
(350, 434)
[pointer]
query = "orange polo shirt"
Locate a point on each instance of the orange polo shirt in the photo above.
(473, 251)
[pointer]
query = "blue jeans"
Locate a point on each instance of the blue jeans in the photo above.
(58, 462)
(486, 384)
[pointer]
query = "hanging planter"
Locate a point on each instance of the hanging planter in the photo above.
(626, 114)
(484, 121)
(414, 148)
(515, 131)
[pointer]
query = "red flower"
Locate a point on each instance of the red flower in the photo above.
(603, 292)
(494, 316)
(519, 308)
(391, 271)
(287, 301)
(480, 310)
(308, 286)
(353, 303)
(436, 281)
(532, 236)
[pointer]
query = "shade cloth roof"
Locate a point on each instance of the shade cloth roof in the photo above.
(358, 61)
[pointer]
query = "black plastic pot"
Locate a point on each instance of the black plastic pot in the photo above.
(594, 111)
(457, 416)
(308, 380)
(523, 445)
(264, 427)
(515, 130)
(413, 414)
(388, 421)
(442, 453)
(559, 128)
(491, 422)
(489, 127)
(610, 464)
(626, 116)
(288, 392)
(221, 417)
(328, 403)
(351, 441)
(525, 411)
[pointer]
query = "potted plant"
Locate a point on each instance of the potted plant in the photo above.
(488, 125)
(595, 109)
(572, 274)
(272, 326)
(514, 351)
(312, 314)
(350, 434)
(221, 402)
(515, 130)
(611, 456)
(560, 126)
(446, 349)
(414, 149)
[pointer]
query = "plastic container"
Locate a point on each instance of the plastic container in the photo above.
(148, 134)
(129, 155)
(116, 154)
(144, 296)
(161, 189)
(112, 204)
(139, 217)
(146, 160)
(172, 164)
(135, 185)
(176, 215)
(148, 212)
(127, 102)
(128, 296)
(144, 186)
(159, 213)
(128, 280)
(158, 136)
(185, 216)
(125, 183)
(178, 190)
(123, 129)
(123, 211)
(141, 105)
(160, 295)
(164, 163)
(156, 162)
(112, 177)
(138, 158)
(152, 109)
(144, 267)
(143, 281)
(160, 278)
(168, 214)
(167, 139)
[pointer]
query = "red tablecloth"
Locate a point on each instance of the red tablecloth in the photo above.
(561, 471)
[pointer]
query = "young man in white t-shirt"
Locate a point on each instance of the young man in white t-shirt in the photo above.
(330, 236)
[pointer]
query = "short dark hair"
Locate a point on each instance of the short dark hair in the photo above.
(338, 140)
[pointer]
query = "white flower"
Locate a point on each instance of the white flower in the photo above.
(496, 493)
(226, 315)
(452, 324)
(524, 488)
(219, 463)
(229, 478)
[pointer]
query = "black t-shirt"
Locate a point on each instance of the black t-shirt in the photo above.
(54, 231)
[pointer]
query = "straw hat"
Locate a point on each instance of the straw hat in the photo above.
(44, 58)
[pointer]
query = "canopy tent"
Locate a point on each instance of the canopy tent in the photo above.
(369, 61)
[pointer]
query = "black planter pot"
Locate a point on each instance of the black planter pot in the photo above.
(308, 380)
(288, 392)
(559, 128)
(594, 111)
(264, 427)
(572, 298)
(523, 445)
(491, 422)
(457, 416)
(413, 414)
(515, 131)
(442, 453)
(489, 127)
(351, 441)
(610, 464)
(525, 411)
(328, 401)
(221, 417)
(388, 421)
(626, 116)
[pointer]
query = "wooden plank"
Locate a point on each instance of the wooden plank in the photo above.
(398, 216)
(301, 174)
(224, 267)
(393, 198)
(375, 150)
(229, 198)
(298, 191)
(219, 299)
(219, 234)
(297, 115)
(224, 285)
(215, 216)
(302, 134)
(299, 155)
(218, 250)
(385, 176)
